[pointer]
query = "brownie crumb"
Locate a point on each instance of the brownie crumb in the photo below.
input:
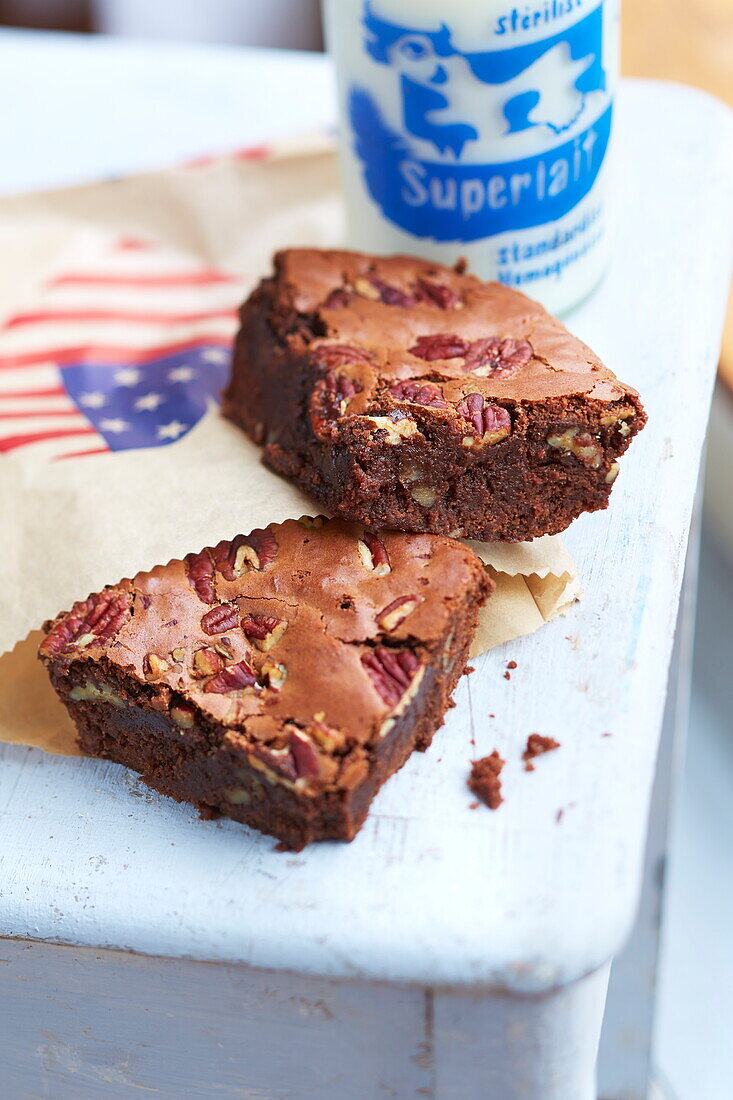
(473, 805)
(507, 675)
(484, 779)
(468, 669)
(536, 746)
(511, 664)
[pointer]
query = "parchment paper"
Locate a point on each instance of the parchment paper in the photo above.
(73, 526)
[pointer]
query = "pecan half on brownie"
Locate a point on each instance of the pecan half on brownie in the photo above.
(278, 678)
(405, 395)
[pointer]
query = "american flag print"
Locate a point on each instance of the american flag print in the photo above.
(128, 349)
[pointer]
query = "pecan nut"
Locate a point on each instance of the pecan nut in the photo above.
(264, 631)
(579, 443)
(206, 663)
(395, 613)
(306, 761)
(296, 760)
(488, 357)
(441, 345)
(329, 401)
(224, 648)
(200, 569)
(256, 550)
(96, 619)
(328, 356)
(395, 428)
(373, 554)
(234, 678)
(91, 692)
(378, 290)
(491, 423)
(273, 674)
(223, 617)
(419, 393)
(276, 764)
(354, 771)
(183, 716)
(424, 495)
(437, 294)
(327, 737)
(497, 358)
(154, 666)
(365, 288)
(392, 295)
(391, 672)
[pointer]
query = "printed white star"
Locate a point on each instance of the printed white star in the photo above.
(114, 426)
(181, 374)
(93, 400)
(149, 402)
(215, 355)
(172, 430)
(128, 376)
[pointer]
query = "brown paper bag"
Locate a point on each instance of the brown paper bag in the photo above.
(117, 304)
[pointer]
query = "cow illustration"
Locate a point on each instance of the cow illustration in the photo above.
(451, 98)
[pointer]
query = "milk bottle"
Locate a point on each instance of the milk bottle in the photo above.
(480, 128)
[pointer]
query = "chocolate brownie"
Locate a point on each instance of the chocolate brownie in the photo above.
(415, 397)
(279, 678)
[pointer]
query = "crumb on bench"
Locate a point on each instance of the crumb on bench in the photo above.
(536, 746)
(484, 780)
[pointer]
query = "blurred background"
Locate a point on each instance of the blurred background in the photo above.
(683, 40)
(294, 24)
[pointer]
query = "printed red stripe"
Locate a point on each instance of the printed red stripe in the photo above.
(253, 152)
(36, 413)
(10, 442)
(250, 152)
(133, 244)
(183, 278)
(57, 391)
(78, 454)
(112, 355)
(82, 316)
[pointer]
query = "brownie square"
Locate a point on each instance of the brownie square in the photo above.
(410, 396)
(279, 678)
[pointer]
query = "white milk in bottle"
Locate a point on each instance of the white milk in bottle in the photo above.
(480, 128)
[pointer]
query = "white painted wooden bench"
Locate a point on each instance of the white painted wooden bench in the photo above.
(446, 953)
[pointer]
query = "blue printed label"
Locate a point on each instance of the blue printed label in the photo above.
(458, 169)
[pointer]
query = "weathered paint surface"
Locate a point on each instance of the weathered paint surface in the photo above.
(85, 1023)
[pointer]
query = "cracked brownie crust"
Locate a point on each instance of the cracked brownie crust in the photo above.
(279, 678)
(415, 397)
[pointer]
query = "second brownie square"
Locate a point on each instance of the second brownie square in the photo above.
(415, 397)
